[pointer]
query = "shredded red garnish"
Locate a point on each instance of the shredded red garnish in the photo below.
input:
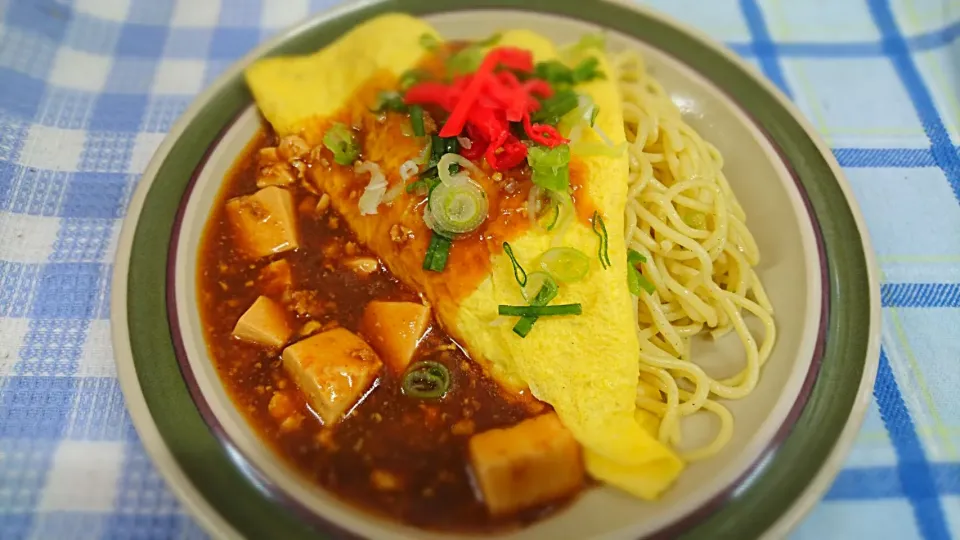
(543, 134)
(484, 103)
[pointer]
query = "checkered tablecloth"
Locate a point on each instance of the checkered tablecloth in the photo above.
(89, 87)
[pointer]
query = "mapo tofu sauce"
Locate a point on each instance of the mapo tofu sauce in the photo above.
(393, 454)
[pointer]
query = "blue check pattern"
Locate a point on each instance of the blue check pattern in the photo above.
(89, 87)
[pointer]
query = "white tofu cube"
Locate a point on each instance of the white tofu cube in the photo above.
(531, 463)
(334, 370)
(265, 222)
(394, 329)
(265, 322)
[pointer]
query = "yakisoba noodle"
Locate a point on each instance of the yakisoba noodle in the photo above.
(683, 217)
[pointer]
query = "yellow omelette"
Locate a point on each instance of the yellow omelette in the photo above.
(586, 367)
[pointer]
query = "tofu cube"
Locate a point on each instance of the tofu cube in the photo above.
(531, 463)
(265, 222)
(394, 330)
(334, 369)
(265, 322)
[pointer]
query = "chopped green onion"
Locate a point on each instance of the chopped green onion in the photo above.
(388, 100)
(446, 147)
(424, 185)
(518, 272)
(438, 147)
(458, 208)
(551, 169)
(340, 140)
(549, 218)
(566, 264)
(452, 147)
(587, 71)
(411, 77)
(556, 107)
(585, 113)
(540, 311)
(547, 293)
(437, 252)
(468, 59)
(636, 282)
(554, 72)
(559, 74)
(634, 257)
(429, 42)
(416, 120)
(588, 41)
(490, 41)
(535, 282)
(601, 230)
(426, 380)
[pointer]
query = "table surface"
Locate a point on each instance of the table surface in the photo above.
(89, 87)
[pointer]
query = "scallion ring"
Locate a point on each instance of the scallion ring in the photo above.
(535, 282)
(450, 159)
(426, 380)
(458, 208)
(566, 264)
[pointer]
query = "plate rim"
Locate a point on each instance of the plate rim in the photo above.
(183, 486)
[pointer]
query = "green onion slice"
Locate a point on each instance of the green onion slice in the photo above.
(429, 42)
(448, 169)
(518, 272)
(587, 70)
(416, 120)
(426, 380)
(490, 40)
(535, 282)
(458, 208)
(601, 231)
(590, 41)
(411, 77)
(547, 293)
(388, 100)
(634, 257)
(468, 59)
(551, 167)
(560, 75)
(556, 107)
(636, 282)
(566, 264)
(540, 311)
(424, 185)
(550, 216)
(438, 250)
(340, 140)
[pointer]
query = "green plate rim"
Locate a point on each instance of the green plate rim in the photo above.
(177, 435)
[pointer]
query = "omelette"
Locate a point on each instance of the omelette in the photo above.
(587, 366)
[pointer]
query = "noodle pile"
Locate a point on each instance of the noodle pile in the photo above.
(683, 217)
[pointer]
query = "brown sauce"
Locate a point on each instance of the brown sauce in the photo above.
(393, 455)
(421, 443)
